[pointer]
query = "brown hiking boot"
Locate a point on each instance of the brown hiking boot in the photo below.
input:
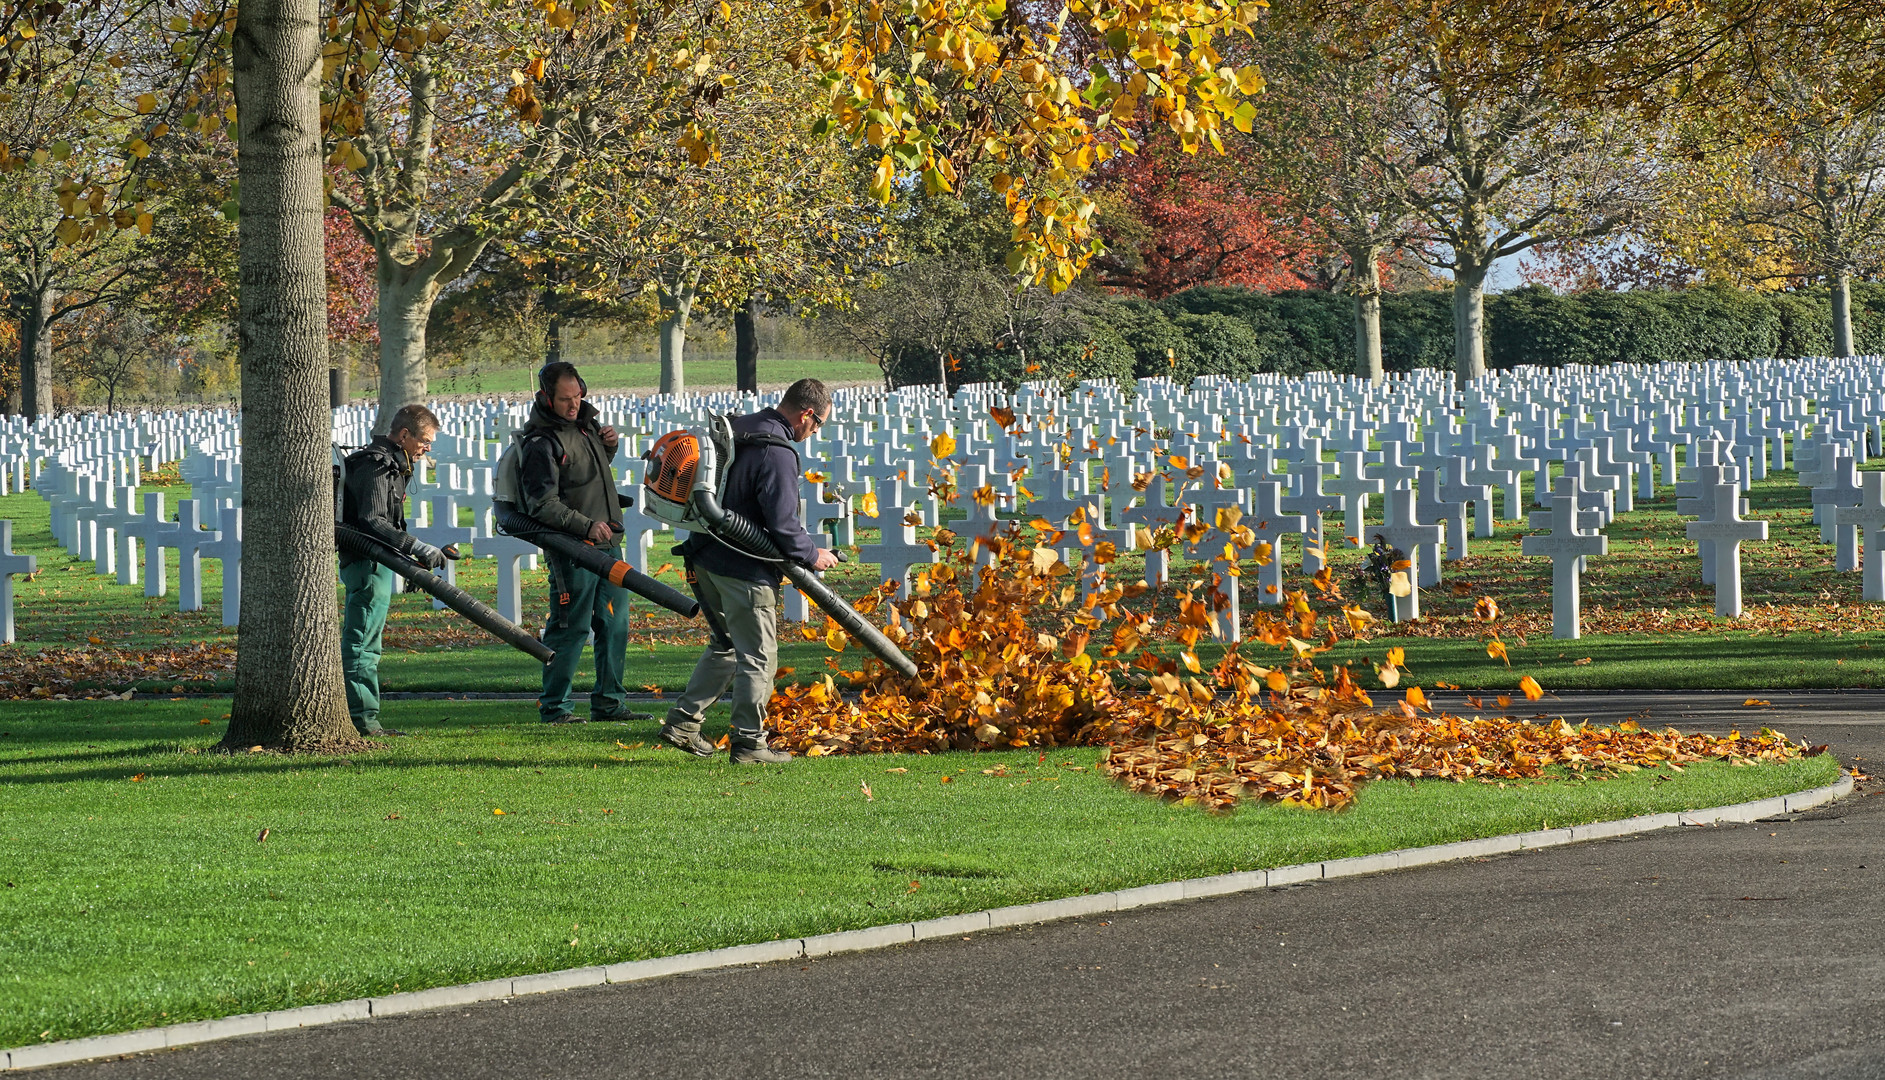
(751, 748)
(686, 737)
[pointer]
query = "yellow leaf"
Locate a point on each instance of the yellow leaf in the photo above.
(1397, 656)
(1416, 697)
(1191, 661)
(1044, 559)
(1389, 675)
(942, 446)
(1399, 585)
(1277, 681)
(147, 103)
(1496, 649)
(868, 503)
(497, 812)
(1532, 690)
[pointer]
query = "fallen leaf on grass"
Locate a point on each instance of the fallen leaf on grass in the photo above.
(261, 836)
(867, 791)
(138, 779)
(1580, 663)
(497, 812)
(897, 770)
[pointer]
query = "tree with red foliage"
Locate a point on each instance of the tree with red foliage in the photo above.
(352, 292)
(1173, 221)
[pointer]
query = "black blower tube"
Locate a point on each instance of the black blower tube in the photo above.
(746, 536)
(595, 560)
(354, 542)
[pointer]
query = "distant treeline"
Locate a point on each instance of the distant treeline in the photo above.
(1235, 331)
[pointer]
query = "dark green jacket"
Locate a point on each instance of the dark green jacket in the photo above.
(565, 474)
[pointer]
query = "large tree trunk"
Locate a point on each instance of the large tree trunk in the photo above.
(1469, 322)
(36, 352)
(678, 305)
(1842, 314)
(746, 345)
(1366, 270)
(405, 305)
(288, 682)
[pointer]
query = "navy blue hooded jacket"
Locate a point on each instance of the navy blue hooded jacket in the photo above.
(763, 488)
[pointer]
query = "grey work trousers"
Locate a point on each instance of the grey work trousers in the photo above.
(742, 651)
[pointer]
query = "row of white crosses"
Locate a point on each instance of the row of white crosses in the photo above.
(1449, 449)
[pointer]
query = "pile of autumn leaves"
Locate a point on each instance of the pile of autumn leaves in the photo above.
(1000, 632)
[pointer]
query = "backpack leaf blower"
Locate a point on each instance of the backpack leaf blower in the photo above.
(686, 470)
(354, 542)
(507, 509)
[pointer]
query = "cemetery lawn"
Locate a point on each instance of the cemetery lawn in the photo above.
(136, 892)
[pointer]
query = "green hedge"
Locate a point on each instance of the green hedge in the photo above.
(1235, 331)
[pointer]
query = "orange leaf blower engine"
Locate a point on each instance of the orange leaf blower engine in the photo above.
(687, 470)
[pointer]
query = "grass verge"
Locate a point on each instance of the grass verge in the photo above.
(134, 891)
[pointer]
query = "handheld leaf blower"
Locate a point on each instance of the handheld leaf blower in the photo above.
(687, 469)
(593, 559)
(354, 542)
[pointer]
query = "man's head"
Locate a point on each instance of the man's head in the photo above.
(413, 429)
(561, 389)
(806, 406)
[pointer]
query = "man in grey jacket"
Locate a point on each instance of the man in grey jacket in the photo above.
(739, 595)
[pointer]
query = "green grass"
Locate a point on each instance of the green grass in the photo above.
(126, 903)
(646, 375)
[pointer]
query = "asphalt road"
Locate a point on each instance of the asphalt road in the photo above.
(1734, 951)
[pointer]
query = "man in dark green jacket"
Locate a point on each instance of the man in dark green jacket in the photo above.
(373, 500)
(567, 483)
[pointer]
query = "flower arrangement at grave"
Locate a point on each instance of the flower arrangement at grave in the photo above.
(1015, 653)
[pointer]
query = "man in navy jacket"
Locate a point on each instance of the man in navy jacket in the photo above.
(739, 595)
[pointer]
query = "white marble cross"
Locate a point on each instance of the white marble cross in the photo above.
(228, 551)
(1157, 510)
(1312, 502)
(1483, 471)
(897, 549)
(1402, 530)
(441, 529)
(1270, 522)
(190, 538)
(1458, 492)
(1354, 486)
(508, 551)
(1726, 530)
(1566, 547)
(1867, 520)
(10, 564)
(151, 528)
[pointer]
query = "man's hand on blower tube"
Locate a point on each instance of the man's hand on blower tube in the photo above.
(426, 555)
(602, 534)
(826, 559)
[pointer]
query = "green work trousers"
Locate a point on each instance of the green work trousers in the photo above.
(362, 628)
(581, 602)
(742, 651)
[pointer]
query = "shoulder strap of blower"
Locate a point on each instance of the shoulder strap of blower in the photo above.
(760, 438)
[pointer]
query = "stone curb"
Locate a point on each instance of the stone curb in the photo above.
(68, 1051)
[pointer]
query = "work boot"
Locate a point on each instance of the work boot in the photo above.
(751, 748)
(686, 737)
(619, 716)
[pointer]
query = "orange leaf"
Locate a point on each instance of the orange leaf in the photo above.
(1532, 690)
